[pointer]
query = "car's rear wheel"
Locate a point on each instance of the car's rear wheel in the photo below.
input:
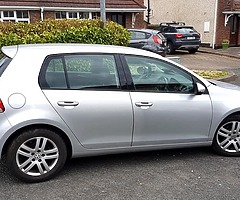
(36, 155)
(227, 138)
(170, 48)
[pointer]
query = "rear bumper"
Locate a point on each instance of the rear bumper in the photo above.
(187, 45)
(156, 49)
(5, 126)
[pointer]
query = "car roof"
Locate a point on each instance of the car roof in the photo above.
(176, 26)
(48, 49)
(145, 30)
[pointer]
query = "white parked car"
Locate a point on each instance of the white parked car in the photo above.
(60, 101)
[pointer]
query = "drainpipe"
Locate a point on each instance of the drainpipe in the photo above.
(215, 24)
(41, 10)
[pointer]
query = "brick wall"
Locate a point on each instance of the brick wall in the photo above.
(222, 31)
(139, 23)
(35, 16)
(49, 15)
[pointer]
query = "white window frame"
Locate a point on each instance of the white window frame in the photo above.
(68, 17)
(14, 18)
(90, 14)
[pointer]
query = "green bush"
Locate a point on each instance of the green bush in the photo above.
(64, 31)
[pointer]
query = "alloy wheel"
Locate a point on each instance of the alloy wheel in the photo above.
(37, 156)
(228, 137)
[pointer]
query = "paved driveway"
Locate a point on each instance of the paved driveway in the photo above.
(170, 174)
(207, 61)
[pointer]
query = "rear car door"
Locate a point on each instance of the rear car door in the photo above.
(139, 39)
(86, 91)
(166, 108)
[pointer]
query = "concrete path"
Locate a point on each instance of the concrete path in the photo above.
(233, 52)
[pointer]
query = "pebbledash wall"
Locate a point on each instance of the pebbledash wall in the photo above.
(129, 13)
(206, 16)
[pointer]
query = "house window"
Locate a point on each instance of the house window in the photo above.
(83, 15)
(95, 15)
(22, 14)
(118, 18)
(8, 14)
(72, 15)
(76, 15)
(15, 16)
(61, 15)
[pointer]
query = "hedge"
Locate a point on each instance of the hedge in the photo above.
(63, 31)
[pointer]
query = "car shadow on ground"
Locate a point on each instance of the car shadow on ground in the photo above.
(128, 159)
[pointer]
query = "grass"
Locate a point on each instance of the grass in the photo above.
(211, 74)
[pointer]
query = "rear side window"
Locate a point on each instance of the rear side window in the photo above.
(79, 72)
(4, 62)
(137, 35)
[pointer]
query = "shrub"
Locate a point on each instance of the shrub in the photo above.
(64, 31)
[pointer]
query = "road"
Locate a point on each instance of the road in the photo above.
(196, 173)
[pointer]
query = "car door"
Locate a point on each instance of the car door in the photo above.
(139, 39)
(166, 108)
(85, 91)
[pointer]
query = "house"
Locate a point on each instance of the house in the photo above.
(128, 13)
(215, 20)
(231, 13)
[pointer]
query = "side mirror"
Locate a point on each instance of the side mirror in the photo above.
(200, 88)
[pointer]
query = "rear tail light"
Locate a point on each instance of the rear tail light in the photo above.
(157, 40)
(179, 35)
(2, 108)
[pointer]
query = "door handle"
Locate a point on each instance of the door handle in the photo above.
(143, 104)
(67, 103)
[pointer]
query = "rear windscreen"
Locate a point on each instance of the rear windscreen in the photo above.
(185, 30)
(4, 62)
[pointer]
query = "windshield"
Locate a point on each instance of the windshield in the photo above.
(4, 62)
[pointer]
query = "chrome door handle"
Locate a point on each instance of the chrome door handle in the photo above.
(67, 103)
(143, 104)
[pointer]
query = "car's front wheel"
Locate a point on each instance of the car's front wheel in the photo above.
(227, 138)
(36, 155)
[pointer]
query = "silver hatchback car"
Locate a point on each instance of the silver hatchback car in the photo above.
(60, 101)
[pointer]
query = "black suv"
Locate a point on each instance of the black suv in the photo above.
(180, 36)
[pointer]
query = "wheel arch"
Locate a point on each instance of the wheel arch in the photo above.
(229, 115)
(222, 120)
(57, 130)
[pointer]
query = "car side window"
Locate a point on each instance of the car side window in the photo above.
(75, 71)
(153, 75)
(137, 35)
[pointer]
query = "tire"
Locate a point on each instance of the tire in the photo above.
(192, 51)
(36, 155)
(171, 49)
(226, 141)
